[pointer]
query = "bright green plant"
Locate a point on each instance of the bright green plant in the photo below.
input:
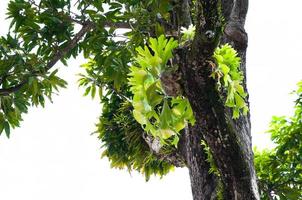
(227, 73)
(229, 78)
(188, 34)
(279, 170)
(45, 34)
(160, 115)
(123, 143)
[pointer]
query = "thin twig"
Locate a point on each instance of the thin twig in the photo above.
(110, 88)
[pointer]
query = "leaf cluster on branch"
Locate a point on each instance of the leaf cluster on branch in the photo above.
(42, 33)
(280, 169)
(158, 66)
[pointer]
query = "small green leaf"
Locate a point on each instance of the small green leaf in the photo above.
(175, 141)
(139, 117)
(239, 101)
(166, 133)
(165, 115)
(236, 113)
(87, 90)
(7, 128)
(100, 92)
(1, 127)
(153, 96)
(93, 90)
(225, 69)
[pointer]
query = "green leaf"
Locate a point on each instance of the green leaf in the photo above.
(7, 128)
(175, 141)
(166, 133)
(165, 115)
(1, 126)
(179, 125)
(137, 76)
(239, 101)
(93, 90)
(236, 113)
(87, 91)
(153, 96)
(139, 117)
(100, 92)
(225, 69)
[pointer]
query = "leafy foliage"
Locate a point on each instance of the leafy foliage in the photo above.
(227, 73)
(35, 36)
(123, 142)
(47, 31)
(107, 70)
(280, 170)
(44, 32)
(160, 115)
(229, 76)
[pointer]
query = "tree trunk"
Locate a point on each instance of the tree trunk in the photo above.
(229, 140)
(203, 183)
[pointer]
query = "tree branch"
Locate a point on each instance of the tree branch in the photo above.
(56, 57)
(124, 25)
(107, 86)
(208, 27)
(155, 146)
(7, 91)
(185, 16)
(234, 12)
(59, 55)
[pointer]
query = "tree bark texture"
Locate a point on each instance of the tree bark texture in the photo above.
(203, 183)
(229, 140)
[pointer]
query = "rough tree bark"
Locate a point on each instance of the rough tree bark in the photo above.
(229, 140)
(203, 183)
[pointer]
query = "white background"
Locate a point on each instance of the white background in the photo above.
(54, 157)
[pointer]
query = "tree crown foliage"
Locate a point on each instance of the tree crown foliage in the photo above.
(280, 169)
(47, 31)
(134, 75)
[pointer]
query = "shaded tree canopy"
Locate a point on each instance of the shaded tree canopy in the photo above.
(170, 76)
(42, 33)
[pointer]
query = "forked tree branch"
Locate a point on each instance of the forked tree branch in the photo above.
(174, 158)
(86, 27)
(57, 56)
